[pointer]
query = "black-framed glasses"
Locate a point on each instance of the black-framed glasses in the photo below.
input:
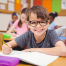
(35, 23)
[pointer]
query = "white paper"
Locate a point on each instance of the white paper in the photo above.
(25, 5)
(63, 4)
(3, 1)
(23, 1)
(15, 37)
(33, 57)
(12, 0)
(2, 6)
(11, 6)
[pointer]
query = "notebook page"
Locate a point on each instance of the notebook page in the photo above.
(15, 37)
(36, 58)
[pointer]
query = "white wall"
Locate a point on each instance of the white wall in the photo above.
(61, 20)
(5, 18)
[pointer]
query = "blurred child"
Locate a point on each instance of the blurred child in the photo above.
(14, 18)
(52, 16)
(39, 38)
(20, 26)
(59, 29)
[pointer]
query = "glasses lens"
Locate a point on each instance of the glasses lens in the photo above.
(43, 23)
(33, 23)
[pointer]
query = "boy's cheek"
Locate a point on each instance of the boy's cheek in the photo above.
(48, 25)
(28, 26)
(27, 23)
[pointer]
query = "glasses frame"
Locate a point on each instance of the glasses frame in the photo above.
(38, 22)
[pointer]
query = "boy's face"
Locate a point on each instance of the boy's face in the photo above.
(38, 29)
(14, 18)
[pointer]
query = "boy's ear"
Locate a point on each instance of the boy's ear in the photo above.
(28, 24)
(48, 23)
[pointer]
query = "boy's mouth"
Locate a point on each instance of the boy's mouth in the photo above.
(38, 29)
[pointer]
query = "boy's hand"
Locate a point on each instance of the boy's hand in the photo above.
(6, 49)
(31, 50)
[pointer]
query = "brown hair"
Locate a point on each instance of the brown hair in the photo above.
(40, 11)
(25, 11)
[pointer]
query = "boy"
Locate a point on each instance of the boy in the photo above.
(39, 38)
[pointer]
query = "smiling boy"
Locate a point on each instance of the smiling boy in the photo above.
(39, 38)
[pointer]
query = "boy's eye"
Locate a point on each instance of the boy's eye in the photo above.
(43, 22)
(33, 22)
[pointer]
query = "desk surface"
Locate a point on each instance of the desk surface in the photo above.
(3, 30)
(6, 30)
(61, 61)
(9, 39)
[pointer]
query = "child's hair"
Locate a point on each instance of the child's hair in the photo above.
(14, 13)
(25, 11)
(53, 14)
(40, 11)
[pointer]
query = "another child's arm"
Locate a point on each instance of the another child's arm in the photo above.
(10, 31)
(56, 27)
(7, 49)
(8, 27)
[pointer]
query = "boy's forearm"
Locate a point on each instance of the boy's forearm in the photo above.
(12, 43)
(57, 51)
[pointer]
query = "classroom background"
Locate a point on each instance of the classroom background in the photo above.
(7, 7)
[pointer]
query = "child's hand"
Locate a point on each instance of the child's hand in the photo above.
(14, 35)
(31, 50)
(6, 49)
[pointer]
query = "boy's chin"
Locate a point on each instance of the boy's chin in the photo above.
(39, 35)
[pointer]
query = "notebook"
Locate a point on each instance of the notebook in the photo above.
(35, 58)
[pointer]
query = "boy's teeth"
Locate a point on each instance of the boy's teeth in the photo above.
(38, 30)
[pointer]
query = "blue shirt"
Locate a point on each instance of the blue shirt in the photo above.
(27, 39)
(52, 25)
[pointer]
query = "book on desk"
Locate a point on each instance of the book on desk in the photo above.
(35, 58)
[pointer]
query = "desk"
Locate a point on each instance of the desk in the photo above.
(3, 30)
(8, 39)
(58, 62)
(22, 64)
(61, 61)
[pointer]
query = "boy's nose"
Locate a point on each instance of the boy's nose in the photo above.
(38, 25)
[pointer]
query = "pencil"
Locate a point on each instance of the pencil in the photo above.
(11, 30)
(3, 41)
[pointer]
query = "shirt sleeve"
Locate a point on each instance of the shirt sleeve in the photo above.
(54, 38)
(16, 24)
(55, 23)
(22, 39)
(52, 25)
